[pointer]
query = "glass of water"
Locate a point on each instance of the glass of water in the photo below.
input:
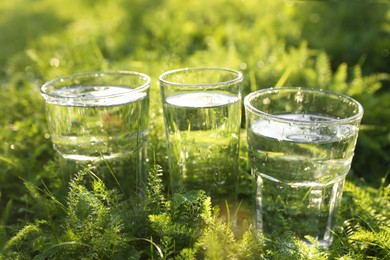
(301, 142)
(100, 120)
(202, 113)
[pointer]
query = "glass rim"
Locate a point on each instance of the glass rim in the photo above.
(357, 116)
(97, 74)
(239, 77)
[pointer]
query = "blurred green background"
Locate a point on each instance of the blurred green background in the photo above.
(342, 46)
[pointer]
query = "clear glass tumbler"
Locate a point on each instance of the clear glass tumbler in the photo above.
(301, 142)
(100, 120)
(202, 113)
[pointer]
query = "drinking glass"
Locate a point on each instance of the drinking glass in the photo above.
(202, 114)
(301, 142)
(99, 120)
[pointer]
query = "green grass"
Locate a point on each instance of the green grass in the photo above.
(342, 46)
